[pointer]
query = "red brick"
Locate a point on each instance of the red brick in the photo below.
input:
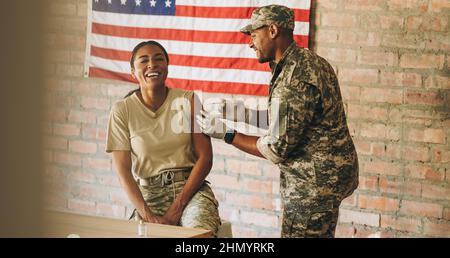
(436, 229)
(83, 117)
(249, 201)
(350, 93)
(218, 165)
(242, 167)
(67, 159)
(386, 150)
(338, 55)
(399, 5)
(119, 197)
(361, 76)
(421, 209)
(88, 133)
(224, 181)
(95, 103)
(441, 156)
(401, 223)
(55, 143)
(271, 171)
(390, 186)
(367, 112)
(81, 176)
(380, 131)
(81, 205)
(327, 36)
(436, 192)
(368, 183)
(339, 20)
(377, 58)
(327, 4)
(358, 217)
(439, 5)
(119, 91)
(438, 82)
(446, 214)
(108, 180)
(244, 233)
(259, 219)
(95, 163)
(416, 153)
(397, 40)
(382, 95)
(259, 186)
(345, 231)
(422, 61)
(426, 23)
(378, 203)
(412, 188)
(400, 79)
(363, 147)
(423, 172)
(350, 201)
(108, 210)
(82, 147)
(382, 168)
(391, 22)
(430, 135)
(89, 192)
(361, 5)
(55, 115)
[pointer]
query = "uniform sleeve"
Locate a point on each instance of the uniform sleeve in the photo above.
(291, 114)
(118, 133)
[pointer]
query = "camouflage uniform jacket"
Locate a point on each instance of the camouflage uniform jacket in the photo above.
(312, 146)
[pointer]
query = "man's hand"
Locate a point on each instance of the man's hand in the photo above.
(233, 110)
(211, 125)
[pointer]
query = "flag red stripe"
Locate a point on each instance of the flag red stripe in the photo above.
(301, 15)
(192, 61)
(180, 35)
(206, 86)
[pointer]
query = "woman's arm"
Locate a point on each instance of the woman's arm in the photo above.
(122, 162)
(203, 152)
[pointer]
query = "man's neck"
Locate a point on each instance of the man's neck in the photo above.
(281, 48)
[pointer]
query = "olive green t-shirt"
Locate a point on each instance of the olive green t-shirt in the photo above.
(157, 140)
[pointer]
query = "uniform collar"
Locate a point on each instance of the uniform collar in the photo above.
(273, 65)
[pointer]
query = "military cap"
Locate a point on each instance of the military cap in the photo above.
(279, 15)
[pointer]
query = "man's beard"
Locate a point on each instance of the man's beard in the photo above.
(264, 59)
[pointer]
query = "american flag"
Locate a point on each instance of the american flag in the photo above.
(206, 50)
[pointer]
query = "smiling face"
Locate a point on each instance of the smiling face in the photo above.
(150, 66)
(261, 42)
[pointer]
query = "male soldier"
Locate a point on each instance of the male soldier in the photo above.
(312, 144)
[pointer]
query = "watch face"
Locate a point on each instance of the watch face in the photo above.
(229, 136)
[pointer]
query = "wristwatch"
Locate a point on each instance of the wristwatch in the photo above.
(229, 136)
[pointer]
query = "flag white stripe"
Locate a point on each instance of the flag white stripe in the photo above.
(181, 23)
(177, 47)
(243, 3)
(191, 73)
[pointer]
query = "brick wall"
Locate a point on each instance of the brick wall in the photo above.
(391, 57)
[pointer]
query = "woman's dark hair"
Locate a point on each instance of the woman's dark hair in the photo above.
(133, 56)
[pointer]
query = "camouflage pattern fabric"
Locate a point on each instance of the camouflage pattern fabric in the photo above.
(201, 211)
(312, 147)
(268, 15)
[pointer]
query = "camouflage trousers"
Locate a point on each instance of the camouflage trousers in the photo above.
(201, 211)
(308, 210)
(310, 217)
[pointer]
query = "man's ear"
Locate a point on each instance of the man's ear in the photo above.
(274, 31)
(132, 73)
